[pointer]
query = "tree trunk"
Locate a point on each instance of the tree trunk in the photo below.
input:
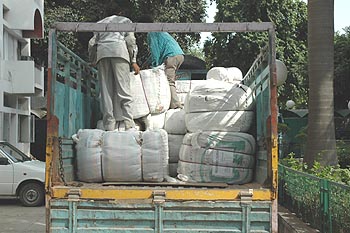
(321, 133)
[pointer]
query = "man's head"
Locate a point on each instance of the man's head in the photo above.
(146, 19)
(119, 7)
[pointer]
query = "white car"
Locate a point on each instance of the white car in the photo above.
(21, 176)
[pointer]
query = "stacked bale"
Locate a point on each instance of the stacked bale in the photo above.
(116, 156)
(217, 148)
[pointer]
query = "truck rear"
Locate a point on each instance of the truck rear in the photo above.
(75, 206)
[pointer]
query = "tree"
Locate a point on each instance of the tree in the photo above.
(240, 49)
(94, 10)
(321, 133)
(342, 69)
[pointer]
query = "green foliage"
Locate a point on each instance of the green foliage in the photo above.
(94, 10)
(332, 173)
(343, 153)
(240, 49)
(292, 162)
(342, 69)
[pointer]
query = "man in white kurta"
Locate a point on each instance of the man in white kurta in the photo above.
(115, 52)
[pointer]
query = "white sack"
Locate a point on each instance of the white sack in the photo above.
(156, 121)
(175, 121)
(89, 153)
(208, 173)
(156, 88)
(231, 121)
(155, 155)
(139, 106)
(121, 159)
(174, 142)
(217, 73)
(229, 75)
(234, 74)
(184, 86)
(216, 157)
(219, 96)
(228, 141)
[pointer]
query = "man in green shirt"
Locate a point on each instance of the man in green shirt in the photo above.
(165, 49)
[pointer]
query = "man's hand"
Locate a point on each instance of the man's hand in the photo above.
(136, 68)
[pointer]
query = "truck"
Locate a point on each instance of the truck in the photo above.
(74, 206)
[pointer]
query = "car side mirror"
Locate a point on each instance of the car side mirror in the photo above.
(4, 161)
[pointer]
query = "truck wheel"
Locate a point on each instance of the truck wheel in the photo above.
(32, 194)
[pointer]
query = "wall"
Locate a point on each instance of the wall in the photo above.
(20, 78)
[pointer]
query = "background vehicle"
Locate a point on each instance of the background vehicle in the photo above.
(21, 176)
(160, 207)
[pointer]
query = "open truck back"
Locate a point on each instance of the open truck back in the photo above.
(74, 206)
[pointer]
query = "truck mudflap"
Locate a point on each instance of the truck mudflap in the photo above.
(160, 215)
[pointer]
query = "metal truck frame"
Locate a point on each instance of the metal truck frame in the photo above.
(75, 208)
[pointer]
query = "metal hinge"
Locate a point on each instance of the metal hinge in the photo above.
(159, 196)
(74, 194)
(246, 195)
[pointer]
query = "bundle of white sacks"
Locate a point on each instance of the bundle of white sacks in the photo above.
(121, 155)
(205, 142)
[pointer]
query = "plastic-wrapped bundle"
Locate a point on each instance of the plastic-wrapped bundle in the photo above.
(210, 173)
(175, 121)
(219, 96)
(156, 89)
(121, 159)
(89, 154)
(228, 141)
(231, 121)
(155, 155)
(216, 157)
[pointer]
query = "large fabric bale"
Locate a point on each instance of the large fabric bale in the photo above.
(89, 154)
(214, 157)
(183, 87)
(230, 121)
(121, 159)
(219, 96)
(174, 142)
(175, 121)
(210, 173)
(139, 105)
(156, 121)
(228, 141)
(155, 155)
(156, 89)
(230, 75)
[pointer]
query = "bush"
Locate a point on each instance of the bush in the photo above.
(343, 153)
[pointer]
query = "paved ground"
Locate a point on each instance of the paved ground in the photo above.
(15, 218)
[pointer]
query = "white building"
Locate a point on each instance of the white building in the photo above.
(20, 78)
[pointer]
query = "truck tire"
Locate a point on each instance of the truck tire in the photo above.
(32, 194)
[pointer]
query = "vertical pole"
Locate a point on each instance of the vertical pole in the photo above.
(324, 202)
(272, 130)
(52, 124)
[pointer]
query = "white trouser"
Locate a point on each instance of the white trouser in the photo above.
(115, 91)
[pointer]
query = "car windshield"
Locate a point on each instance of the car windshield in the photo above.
(13, 153)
